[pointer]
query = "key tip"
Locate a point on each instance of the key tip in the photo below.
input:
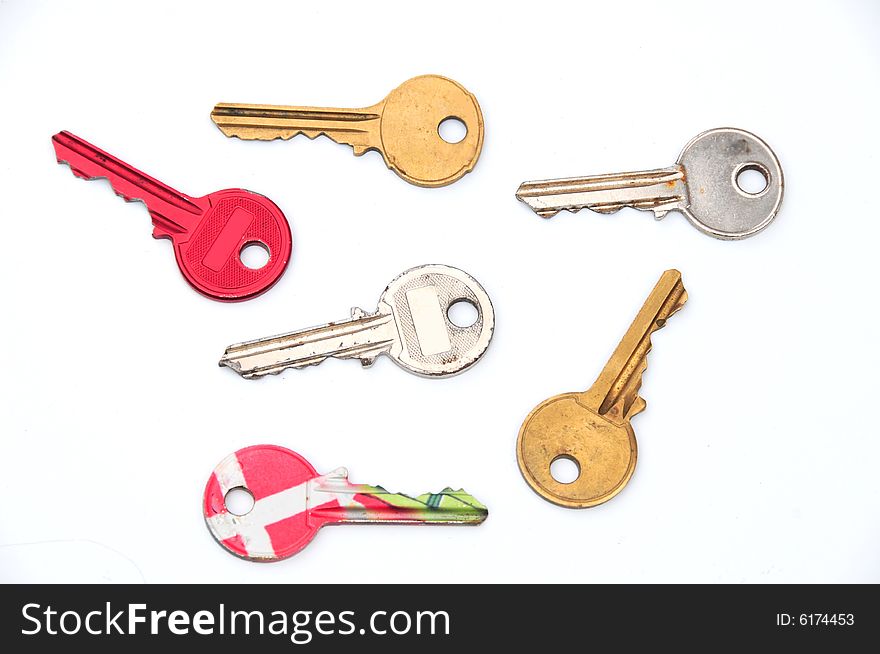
(227, 362)
(527, 197)
(673, 275)
(524, 195)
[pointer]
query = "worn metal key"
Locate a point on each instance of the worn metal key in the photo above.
(411, 325)
(209, 233)
(593, 428)
(404, 128)
(291, 502)
(704, 185)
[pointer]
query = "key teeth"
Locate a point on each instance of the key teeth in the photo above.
(637, 407)
(432, 504)
(524, 196)
(232, 362)
(275, 134)
(157, 232)
(448, 506)
(637, 404)
(76, 172)
(235, 132)
(543, 213)
(466, 498)
(546, 213)
(628, 402)
(681, 301)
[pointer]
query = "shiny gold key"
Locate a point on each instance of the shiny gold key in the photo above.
(593, 428)
(404, 127)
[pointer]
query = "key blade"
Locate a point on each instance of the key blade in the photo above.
(358, 128)
(334, 499)
(660, 191)
(172, 211)
(363, 337)
(615, 393)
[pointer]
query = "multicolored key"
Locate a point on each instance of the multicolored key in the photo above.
(208, 233)
(292, 502)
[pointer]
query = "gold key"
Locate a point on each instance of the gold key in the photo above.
(404, 127)
(593, 428)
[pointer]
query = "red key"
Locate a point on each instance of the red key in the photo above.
(208, 233)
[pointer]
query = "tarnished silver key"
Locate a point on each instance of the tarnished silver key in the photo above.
(411, 325)
(704, 185)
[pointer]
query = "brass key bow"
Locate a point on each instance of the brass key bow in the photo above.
(593, 428)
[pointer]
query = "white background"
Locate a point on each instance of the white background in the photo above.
(759, 448)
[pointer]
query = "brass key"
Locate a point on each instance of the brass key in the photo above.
(593, 428)
(404, 127)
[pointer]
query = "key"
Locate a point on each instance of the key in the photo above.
(208, 233)
(404, 128)
(411, 325)
(593, 428)
(292, 502)
(704, 185)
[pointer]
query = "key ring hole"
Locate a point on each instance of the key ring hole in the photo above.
(452, 129)
(751, 179)
(239, 501)
(254, 255)
(463, 313)
(565, 469)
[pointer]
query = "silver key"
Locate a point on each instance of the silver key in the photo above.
(703, 185)
(411, 325)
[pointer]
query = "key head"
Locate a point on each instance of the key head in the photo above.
(279, 525)
(209, 256)
(718, 205)
(563, 426)
(409, 131)
(430, 344)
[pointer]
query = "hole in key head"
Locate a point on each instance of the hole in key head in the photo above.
(462, 313)
(254, 255)
(452, 129)
(565, 469)
(752, 178)
(239, 500)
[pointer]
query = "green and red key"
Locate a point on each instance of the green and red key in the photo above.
(292, 502)
(208, 233)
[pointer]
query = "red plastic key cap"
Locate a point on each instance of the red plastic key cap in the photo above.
(208, 233)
